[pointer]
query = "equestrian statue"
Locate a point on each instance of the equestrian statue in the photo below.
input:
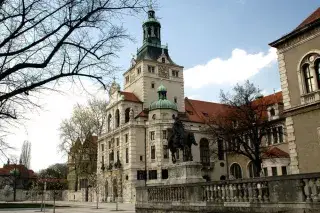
(179, 138)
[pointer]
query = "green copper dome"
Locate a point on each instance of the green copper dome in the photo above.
(163, 103)
(162, 88)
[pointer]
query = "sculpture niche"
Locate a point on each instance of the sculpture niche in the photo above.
(179, 138)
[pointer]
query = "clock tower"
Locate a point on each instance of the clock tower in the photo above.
(152, 67)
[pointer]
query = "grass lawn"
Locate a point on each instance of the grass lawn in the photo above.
(25, 205)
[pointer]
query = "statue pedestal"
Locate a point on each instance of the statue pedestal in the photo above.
(186, 172)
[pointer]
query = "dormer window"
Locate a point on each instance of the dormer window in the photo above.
(163, 60)
(272, 112)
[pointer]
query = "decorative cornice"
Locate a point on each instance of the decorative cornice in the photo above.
(301, 109)
(299, 39)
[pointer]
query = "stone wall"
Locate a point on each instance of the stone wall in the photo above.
(25, 195)
(292, 193)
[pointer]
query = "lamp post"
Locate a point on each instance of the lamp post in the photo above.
(15, 173)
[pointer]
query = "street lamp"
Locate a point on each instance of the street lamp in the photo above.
(15, 173)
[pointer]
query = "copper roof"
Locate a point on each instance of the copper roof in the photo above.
(129, 96)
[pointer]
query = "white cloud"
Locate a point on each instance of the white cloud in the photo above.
(240, 66)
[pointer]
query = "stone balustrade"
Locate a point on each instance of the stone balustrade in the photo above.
(277, 194)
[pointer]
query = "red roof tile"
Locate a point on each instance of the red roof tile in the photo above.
(275, 152)
(313, 17)
(312, 20)
(22, 169)
(198, 111)
(129, 96)
(143, 113)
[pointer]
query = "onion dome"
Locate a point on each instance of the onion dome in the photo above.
(163, 102)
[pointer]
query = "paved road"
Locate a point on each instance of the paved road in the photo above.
(79, 207)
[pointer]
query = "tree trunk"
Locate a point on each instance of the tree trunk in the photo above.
(54, 201)
(97, 197)
(258, 169)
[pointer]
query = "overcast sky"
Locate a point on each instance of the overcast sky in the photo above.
(219, 42)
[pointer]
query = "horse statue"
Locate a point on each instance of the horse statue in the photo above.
(178, 138)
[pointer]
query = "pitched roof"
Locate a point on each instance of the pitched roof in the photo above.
(197, 111)
(129, 96)
(310, 22)
(25, 172)
(143, 113)
(275, 152)
(313, 17)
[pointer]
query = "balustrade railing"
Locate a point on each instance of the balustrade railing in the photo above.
(290, 188)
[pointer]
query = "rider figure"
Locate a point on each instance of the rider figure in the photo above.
(178, 131)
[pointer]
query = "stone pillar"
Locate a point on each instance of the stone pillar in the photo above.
(185, 172)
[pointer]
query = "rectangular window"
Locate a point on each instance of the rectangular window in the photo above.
(118, 156)
(117, 139)
(102, 160)
(126, 138)
(127, 79)
(141, 175)
(152, 135)
(139, 70)
(220, 149)
(102, 147)
(284, 170)
(152, 85)
(109, 144)
(164, 134)
(127, 155)
(275, 135)
(153, 152)
(111, 156)
(274, 171)
(265, 170)
(163, 60)
(164, 174)
(175, 73)
(269, 137)
(141, 158)
(280, 131)
(151, 69)
(165, 152)
(152, 174)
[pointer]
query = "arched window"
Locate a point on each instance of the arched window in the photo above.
(127, 115)
(252, 170)
(175, 100)
(109, 122)
(117, 118)
(308, 78)
(235, 171)
(272, 112)
(149, 31)
(155, 32)
(317, 68)
(204, 151)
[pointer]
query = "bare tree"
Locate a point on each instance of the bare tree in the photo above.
(95, 184)
(75, 131)
(43, 42)
(25, 156)
(242, 124)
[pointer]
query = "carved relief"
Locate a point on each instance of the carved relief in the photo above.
(163, 71)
